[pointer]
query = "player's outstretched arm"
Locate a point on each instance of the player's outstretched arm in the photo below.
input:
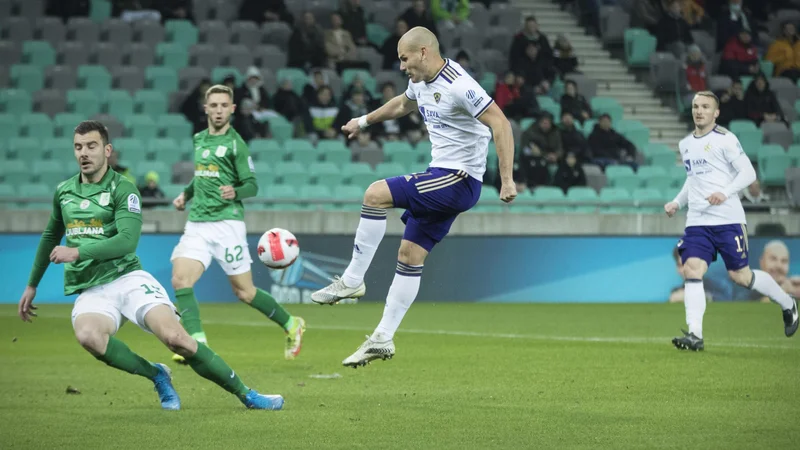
(494, 118)
(393, 109)
(51, 236)
(679, 201)
(745, 176)
(128, 219)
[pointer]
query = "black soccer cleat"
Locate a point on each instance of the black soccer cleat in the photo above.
(790, 319)
(688, 342)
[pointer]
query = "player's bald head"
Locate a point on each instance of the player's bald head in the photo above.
(777, 248)
(416, 39)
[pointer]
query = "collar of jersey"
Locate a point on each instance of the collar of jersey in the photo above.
(216, 136)
(101, 184)
(709, 132)
(446, 63)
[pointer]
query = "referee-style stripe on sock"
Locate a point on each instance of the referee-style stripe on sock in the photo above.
(402, 293)
(368, 212)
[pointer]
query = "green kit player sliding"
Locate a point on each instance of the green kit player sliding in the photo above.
(99, 211)
(215, 229)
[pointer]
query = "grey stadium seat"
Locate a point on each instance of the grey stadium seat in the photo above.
(148, 33)
(31, 8)
(129, 78)
(140, 55)
(386, 15)
(17, 29)
(788, 110)
(270, 81)
(82, 29)
(237, 55)
(706, 42)
(10, 53)
(72, 54)
(296, 7)
(613, 23)
(115, 127)
(595, 178)
(506, 16)
(371, 56)
(499, 39)
(276, 33)
(586, 86)
(176, 99)
(50, 101)
(205, 56)
(63, 78)
(448, 38)
(334, 80)
(494, 60)
(663, 71)
(226, 10)
(50, 29)
(246, 33)
(718, 83)
(793, 185)
(213, 32)
(271, 57)
(479, 15)
(117, 32)
(5, 8)
(189, 77)
(777, 133)
(106, 54)
(784, 89)
(400, 82)
(322, 14)
(472, 39)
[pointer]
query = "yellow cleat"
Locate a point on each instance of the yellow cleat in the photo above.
(179, 359)
(294, 338)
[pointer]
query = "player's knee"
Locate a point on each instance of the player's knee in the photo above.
(181, 281)
(94, 341)
(378, 195)
(178, 342)
(245, 294)
(742, 277)
(693, 269)
(411, 254)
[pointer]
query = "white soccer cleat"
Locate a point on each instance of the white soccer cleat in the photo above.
(369, 351)
(337, 291)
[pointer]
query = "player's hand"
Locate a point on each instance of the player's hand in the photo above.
(180, 202)
(227, 192)
(671, 208)
(508, 192)
(351, 128)
(26, 308)
(717, 198)
(62, 254)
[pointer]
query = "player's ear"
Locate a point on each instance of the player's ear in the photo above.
(108, 149)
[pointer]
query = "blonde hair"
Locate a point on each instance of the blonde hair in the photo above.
(709, 94)
(219, 89)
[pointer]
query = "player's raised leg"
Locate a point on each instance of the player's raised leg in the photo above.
(370, 232)
(266, 304)
(161, 320)
(95, 331)
(763, 283)
(185, 273)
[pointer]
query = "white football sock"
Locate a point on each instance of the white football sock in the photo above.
(694, 299)
(764, 284)
(402, 293)
(369, 234)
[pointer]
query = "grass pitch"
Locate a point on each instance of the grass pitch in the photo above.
(465, 376)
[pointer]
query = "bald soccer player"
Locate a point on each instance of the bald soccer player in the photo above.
(461, 119)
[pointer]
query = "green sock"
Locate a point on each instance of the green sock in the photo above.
(189, 311)
(119, 356)
(270, 308)
(210, 366)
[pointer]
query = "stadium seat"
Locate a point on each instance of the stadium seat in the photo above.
(582, 194)
(609, 106)
(359, 174)
(281, 192)
(9, 128)
(767, 150)
(83, 102)
(622, 177)
(751, 141)
(26, 148)
(119, 104)
(181, 32)
(648, 173)
(350, 195)
(621, 197)
(27, 77)
(326, 173)
(649, 195)
(297, 76)
(639, 44)
(131, 150)
(794, 152)
(349, 75)
(160, 167)
(65, 123)
(265, 176)
(141, 126)
(95, 79)
(635, 131)
(245, 33)
(281, 128)
(165, 150)
(292, 173)
(740, 125)
(488, 82)
(334, 151)
(489, 201)
(376, 34)
(301, 150)
(172, 55)
(550, 195)
(321, 193)
(15, 172)
(267, 151)
(404, 157)
(150, 103)
(161, 79)
(15, 101)
(175, 126)
(36, 125)
(6, 191)
(38, 53)
(777, 133)
(390, 169)
(772, 168)
(218, 74)
(52, 170)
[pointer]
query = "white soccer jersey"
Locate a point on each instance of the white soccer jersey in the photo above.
(450, 104)
(711, 163)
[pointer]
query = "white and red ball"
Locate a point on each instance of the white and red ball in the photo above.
(278, 248)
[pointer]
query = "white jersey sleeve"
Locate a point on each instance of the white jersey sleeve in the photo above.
(410, 92)
(470, 96)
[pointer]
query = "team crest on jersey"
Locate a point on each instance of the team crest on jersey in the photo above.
(221, 150)
(84, 204)
(206, 153)
(105, 198)
(437, 96)
(707, 147)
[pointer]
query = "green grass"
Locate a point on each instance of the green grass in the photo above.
(465, 376)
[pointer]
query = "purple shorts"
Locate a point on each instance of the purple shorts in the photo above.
(432, 200)
(705, 242)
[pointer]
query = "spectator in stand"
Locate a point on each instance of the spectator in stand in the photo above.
(538, 74)
(569, 173)
(307, 44)
(609, 147)
(176, 10)
(672, 31)
(135, 10)
(318, 80)
(389, 48)
(564, 57)
(693, 13)
(150, 190)
(574, 103)
(451, 13)
(113, 162)
(419, 16)
(246, 125)
(354, 20)
(394, 129)
(761, 103)
(572, 139)
(339, 46)
(506, 91)
(525, 104)
(647, 14)
(740, 57)
(261, 11)
(193, 107)
(784, 53)
(529, 34)
(292, 107)
(695, 66)
(364, 149)
(358, 85)
(733, 19)
(463, 59)
(533, 167)
(67, 8)
(732, 105)
(354, 106)
(323, 114)
(253, 88)
(230, 81)
(544, 136)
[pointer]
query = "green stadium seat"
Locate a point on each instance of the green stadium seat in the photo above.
(588, 126)
(34, 190)
(489, 201)
(321, 194)
(611, 194)
(9, 127)
(376, 34)
(751, 142)
(36, 125)
(293, 173)
(96, 79)
(59, 149)
(348, 75)
(404, 157)
(281, 128)
(27, 77)
(141, 126)
(52, 170)
(161, 168)
(794, 152)
(767, 67)
(664, 182)
(517, 205)
(151, 103)
(609, 106)
(649, 195)
(488, 81)
(767, 150)
(796, 132)
(26, 148)
(267, 151)
(740, 125)
(171, 190)
(165, 150)
(546, 103)
(131, 150)
(281, 192)
(100, 10)
(353, 195)
(622, 177)
(297, 76)
(549, 196)
(301, 150)
(582, 194)
(181, 32)
(326, 173)
(635, 131)
(639, 45)
(161, 79)
(772, 168)
(390, 147)
(334, 151)
(83, 102)
(425, 147)
(175, 126)
(15, 171)
(174, 56)
(647, 173)
(390, 169)
(38, 53)
(359, 174)
(65, 124)
(6, 191)
(265, 178)
(218, 74)
(119, 104)
(15, 101)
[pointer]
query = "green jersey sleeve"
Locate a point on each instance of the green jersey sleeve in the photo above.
(188, 192)
(50, 239)
(128, 220)
(245, 171)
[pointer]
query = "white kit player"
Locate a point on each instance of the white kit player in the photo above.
(461, 119)
(716, 170)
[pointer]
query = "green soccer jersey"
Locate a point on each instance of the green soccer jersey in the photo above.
(104, 221)
(220, 160)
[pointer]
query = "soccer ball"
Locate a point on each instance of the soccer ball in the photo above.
(278, 248)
